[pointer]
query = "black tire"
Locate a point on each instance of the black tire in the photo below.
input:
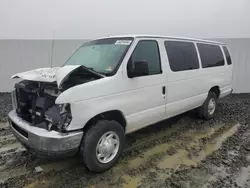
(90, 141)
(203, 110)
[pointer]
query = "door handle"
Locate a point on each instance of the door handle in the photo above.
(163, 90)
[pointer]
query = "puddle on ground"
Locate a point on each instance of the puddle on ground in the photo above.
(215, 144)
(10, 147)
(145, 138)
(136, 162)
(6, 137)
(48, 166)
(38, 184)
(168, 163)
(173, 161)
(205, 133)
(131, 181)
(182, 157)
(60, 164)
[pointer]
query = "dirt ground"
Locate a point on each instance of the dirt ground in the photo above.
(182, 152)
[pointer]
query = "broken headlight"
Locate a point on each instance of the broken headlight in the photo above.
(63, 108)
(65, 116)
(60, 117)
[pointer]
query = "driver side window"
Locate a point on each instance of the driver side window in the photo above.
(146, 50)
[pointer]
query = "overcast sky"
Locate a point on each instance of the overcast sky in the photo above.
(94, 18)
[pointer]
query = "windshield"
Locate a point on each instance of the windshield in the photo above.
(103, 55)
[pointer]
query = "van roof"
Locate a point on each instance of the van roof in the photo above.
(169, 37)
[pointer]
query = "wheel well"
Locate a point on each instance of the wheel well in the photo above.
(115, 115)
(216, 90)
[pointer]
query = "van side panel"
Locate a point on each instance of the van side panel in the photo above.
(138, 108)
(188, 89)
(224, 91)
(140, 99)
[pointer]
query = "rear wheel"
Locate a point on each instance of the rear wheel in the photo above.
(209, 107)
(102, 145)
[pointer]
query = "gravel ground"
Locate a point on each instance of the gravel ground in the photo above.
(183, 152)
(5, 106)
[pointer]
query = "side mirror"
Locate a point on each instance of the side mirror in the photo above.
(140, 69)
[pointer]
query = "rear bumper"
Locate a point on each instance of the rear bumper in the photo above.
(42, 141)
(226, 92)
(231, 91)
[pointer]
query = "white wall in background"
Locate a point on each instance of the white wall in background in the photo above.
(23, 55)
(240, 50)
(85, 19)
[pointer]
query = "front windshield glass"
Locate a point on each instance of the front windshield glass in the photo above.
(103, 55)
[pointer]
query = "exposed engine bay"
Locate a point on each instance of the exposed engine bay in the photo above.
(35, 100)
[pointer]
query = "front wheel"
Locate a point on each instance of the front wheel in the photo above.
(209, 107)
(102, 145)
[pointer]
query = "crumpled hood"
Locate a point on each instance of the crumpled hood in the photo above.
(58, 74)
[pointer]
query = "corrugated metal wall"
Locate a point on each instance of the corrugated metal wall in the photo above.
(240, 52)
(22, 55)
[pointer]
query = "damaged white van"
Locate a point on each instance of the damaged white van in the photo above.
(113, 86)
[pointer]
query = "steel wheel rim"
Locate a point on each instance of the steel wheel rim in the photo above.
(211, 106)
(107, 147)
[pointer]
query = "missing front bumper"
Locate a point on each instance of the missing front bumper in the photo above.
(42, 141)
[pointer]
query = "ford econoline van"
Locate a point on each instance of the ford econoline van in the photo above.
(114, 86)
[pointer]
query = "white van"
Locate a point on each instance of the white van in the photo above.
(113, 86)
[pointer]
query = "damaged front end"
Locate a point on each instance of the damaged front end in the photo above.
(35, 103)
(34, 99)
(36, 120)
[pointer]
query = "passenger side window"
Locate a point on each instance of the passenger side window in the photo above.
(147, 50)
(227, 54)
(211, 55)
(181, 55)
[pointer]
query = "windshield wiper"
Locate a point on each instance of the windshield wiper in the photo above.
(93, 71)
(102, 73)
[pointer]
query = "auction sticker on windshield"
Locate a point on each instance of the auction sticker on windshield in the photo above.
(123, 42)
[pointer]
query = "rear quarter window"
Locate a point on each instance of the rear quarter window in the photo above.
(227, 54)
(211, 55)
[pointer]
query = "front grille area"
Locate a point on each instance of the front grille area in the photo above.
(24, 103)
(19, 130)
(31, 102)
(34, 103)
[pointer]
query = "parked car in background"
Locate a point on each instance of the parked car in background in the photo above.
(114, 86)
